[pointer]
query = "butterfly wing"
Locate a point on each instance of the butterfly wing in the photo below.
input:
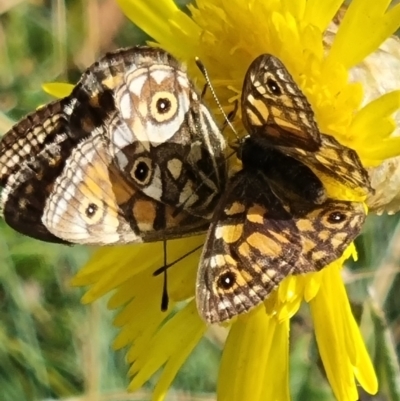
(256, 240)
(274, 108)
(28, 137)
(73, 193)
(132, 127)
(326, 231)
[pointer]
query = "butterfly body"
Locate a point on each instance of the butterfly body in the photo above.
(291, 175)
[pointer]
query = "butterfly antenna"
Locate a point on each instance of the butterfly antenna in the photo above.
(203, 70)
(164, 298)
(231, 116)
(168, 265)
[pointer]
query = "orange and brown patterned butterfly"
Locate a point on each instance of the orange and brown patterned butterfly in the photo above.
(274, 218)
(132, 155)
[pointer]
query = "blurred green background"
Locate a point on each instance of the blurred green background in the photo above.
(52, 347)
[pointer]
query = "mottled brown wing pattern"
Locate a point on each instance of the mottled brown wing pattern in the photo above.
(274, 108)
(131, 155)
(274, 219)
(30, 136)
(258, 238)
(24, 195)
(251, 246)
(326, 231)
(277, 114)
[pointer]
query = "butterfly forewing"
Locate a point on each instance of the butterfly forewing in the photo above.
(275, 109)
(91, 202)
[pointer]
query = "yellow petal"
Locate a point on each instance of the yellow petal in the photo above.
(178, 357)
(158, 19)
(321, 13)
(350, 45)
(339, 341)
(173, 342)
(256, 346)
(58, 89)
(111, 267)
(375, 120)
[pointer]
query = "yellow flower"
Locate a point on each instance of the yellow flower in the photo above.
(227, 36)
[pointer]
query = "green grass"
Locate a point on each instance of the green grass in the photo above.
(51, 346)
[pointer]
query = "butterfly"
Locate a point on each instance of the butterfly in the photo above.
(274, 218)
(131, 155)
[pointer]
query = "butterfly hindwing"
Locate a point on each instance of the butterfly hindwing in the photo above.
(251, 246)
(326, 231)
(335, 161)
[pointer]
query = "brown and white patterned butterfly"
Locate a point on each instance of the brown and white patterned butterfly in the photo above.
(274, 218)
(131, 155)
